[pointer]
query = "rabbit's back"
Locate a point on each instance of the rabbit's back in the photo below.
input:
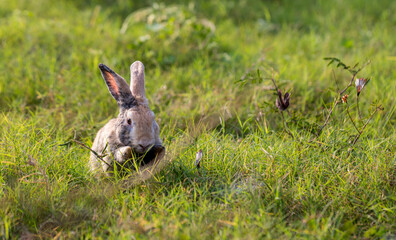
(105, 140)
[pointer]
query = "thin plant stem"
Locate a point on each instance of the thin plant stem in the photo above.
(276, 87)
(367, 122)
(96, 154)
(285, 124)
(364, 126)
(287, 110)
(358, 108)
(328, 116)
(336, 101)
(350, 84)
(350, 118)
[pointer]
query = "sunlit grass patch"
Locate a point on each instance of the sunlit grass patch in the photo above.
(258, 177)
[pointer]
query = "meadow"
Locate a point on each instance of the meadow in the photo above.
(209, 66)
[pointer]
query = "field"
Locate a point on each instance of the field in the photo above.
(265, 174)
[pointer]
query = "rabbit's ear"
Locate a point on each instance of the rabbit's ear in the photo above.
(137, 81)
(118, 88)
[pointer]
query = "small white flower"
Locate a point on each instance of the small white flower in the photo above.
(198, 158)
(360, 83)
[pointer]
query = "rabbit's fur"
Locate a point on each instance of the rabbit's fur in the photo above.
(134, 134)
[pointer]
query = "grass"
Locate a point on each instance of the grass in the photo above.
(256, 181)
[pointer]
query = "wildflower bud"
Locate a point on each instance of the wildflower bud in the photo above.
(282, 103)
(198, 158)
(345, 98)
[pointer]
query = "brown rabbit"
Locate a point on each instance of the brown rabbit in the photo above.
(134, 134)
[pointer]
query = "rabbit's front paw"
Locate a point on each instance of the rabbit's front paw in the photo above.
(123, 154)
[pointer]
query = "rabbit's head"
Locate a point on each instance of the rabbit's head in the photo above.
(135, 124)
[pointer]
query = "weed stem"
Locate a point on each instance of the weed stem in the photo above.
(358, 109)
(350, 118)
(96, 154)
(336, 101)
(367, 122)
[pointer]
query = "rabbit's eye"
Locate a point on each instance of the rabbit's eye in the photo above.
(129, 121)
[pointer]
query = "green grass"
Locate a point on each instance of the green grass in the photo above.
(256, 181)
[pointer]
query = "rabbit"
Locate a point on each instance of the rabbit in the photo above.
(134, 133)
